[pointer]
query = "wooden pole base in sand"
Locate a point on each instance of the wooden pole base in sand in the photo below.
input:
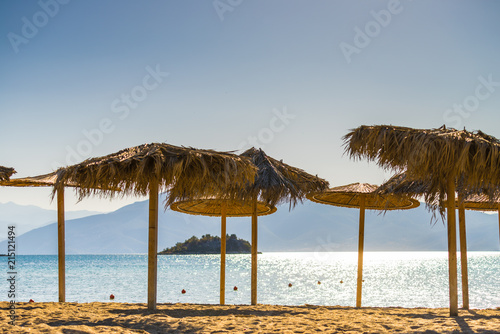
(223, 255)
(463, 254)
(153, 245)
(61, 248)
(361, 242)
(254, 253)
(452, 246)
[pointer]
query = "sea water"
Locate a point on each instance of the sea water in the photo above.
(406, 279)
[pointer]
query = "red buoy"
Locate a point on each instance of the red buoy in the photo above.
(183, 291)
(111, 296)
(235, 288)
(341, 282)
(289, 285)
(319, 282)
(32, 301)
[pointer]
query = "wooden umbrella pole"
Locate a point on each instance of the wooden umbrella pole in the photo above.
(463, 254)
(223, 254)
(153, 244)
(61, 249)
(254, 252)
(361, 241)
(452, 246)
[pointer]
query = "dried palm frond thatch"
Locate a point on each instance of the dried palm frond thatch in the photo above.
(213, 207)
(277, 182)
(471, 159)
(349, 196)
(46, 180)
(401, 184)
(6, 173)
(184, 171)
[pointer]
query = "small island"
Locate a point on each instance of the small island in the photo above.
(208, 244)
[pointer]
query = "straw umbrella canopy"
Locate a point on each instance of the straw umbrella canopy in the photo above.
(445, 157)
(402, 184)
(6, 173)
(477, 202)
(147, 169)
(49, 180)
(275, 183)
(215, 207)
(362, 196)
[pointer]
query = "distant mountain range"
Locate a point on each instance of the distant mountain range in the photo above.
(308, 227)
(29, 217)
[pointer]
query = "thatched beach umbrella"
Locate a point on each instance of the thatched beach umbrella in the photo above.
(6, 173)
(147, 169)
(275, 183)
(402, 184)
(49, 180)
(478, 202)
(221, 208)
(448, 157)
(362, 196)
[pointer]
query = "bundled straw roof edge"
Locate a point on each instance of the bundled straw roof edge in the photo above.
(6, 173)
(402, 184)
(277, 183)
(472, 159)
(213, 207)
(349, 196)
(185, 172)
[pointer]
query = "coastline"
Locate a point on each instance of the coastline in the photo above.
(114, 317)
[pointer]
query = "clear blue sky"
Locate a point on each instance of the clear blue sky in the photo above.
(87, 78)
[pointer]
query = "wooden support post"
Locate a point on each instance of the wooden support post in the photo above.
(463, 254)
(153, 244)
(223, 254)
(499, 220)
(254, 253)
(361, 242)
(61, 249)
(452, 246)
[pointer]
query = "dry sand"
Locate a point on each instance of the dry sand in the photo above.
(72, 318)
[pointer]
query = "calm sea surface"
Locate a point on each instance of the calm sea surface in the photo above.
(407, 279)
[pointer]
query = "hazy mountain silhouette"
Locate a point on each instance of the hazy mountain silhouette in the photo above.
(29, 217)
(308, 227)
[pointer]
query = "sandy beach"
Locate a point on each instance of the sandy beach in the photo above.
(193, 318)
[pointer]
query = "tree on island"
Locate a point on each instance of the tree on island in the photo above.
(208, 244)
